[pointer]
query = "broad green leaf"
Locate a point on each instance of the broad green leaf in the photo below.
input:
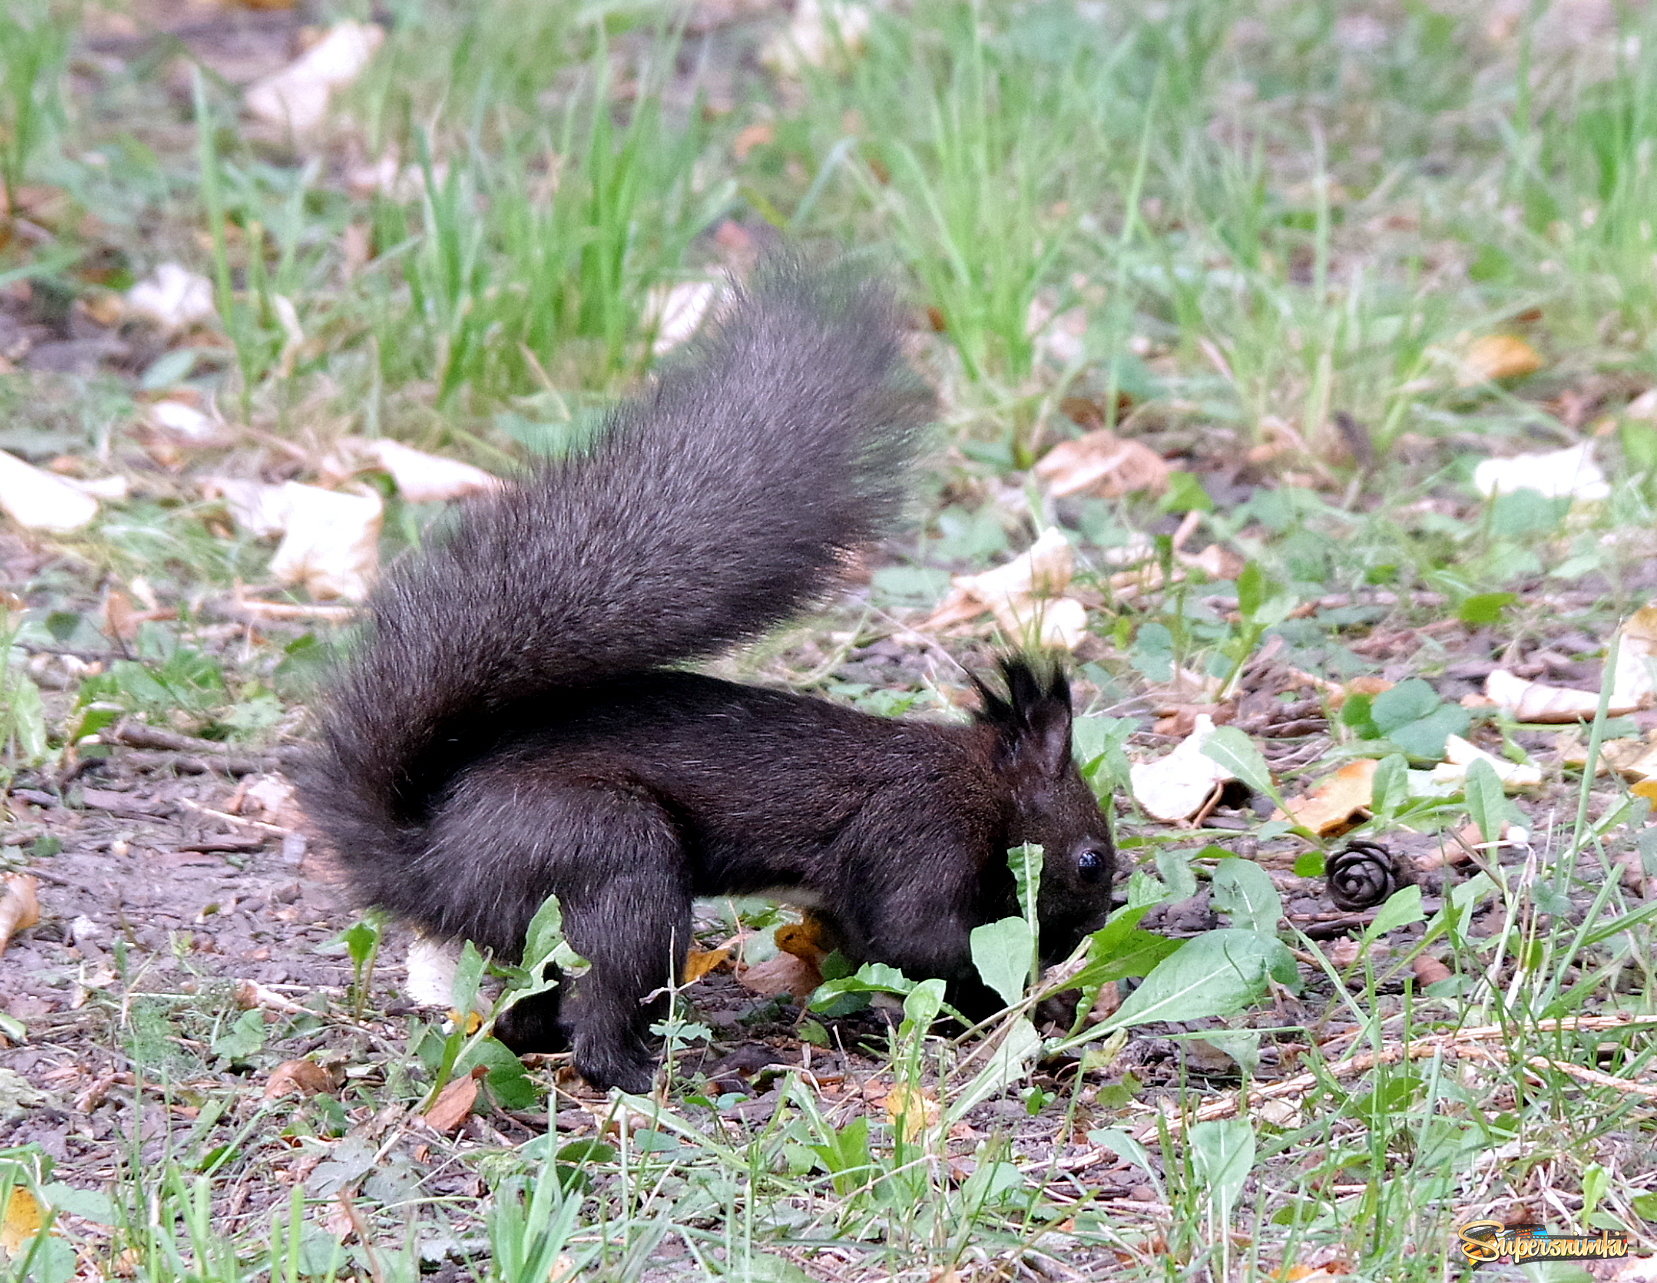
(1001, 951)
(871, 977)
(1391, 785)
(1245, 891)
(1402, 908)
(1026, 862)
(1215, 974)
(1235, 751)
(1485, 608)
(1485, 799)
(1222, 1151)
(1010, 1061)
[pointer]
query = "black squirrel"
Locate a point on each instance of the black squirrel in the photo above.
(513, 723)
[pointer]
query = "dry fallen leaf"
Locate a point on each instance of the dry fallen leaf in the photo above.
(296, 97)
(1459, 755)
(173, 298)
(1633, 685)
(811, 938)
(1634, 679)
(330, 540)
(1570, 473)
(1175, 787)
(1497, 356)
(19, 906)
(20, 1222)
(1337, 799)
(39, 500)
(182, 424)
(701, 961)
(1530, 701)
(673, 313)
(1103, 464)
(429, 977)
(299, 1078)
(822, 33)
(426, 478)
(1025, 596)
(453, 1105)
(912, 1107)
(784, 973)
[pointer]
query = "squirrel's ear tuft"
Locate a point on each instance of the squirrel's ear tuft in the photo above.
(1033, 719)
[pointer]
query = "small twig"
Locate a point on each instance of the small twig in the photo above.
(187, 752)
(255, 611)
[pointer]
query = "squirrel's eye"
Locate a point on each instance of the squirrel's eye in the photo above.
(1090, 864)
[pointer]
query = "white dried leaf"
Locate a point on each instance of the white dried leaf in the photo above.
(330, 542)
(173, 298)
(1020, 593)
(822, 33)
(258, 508)
(183, 424)
(39, 500)
(1459, 754)
(431, 972)
(110, 487)
(427, 478)
(1104, 464)
(1557, 474)
(1633, 681)
(1175, 787)
(675, 312)
(297, 97)
(1634, 678)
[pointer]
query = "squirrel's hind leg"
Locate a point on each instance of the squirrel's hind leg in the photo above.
(615, 860)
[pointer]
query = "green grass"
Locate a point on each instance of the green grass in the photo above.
(1267, 216)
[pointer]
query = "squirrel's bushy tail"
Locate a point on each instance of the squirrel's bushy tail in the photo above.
(717, 504)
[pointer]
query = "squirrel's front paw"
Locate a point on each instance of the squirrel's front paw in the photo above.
(633, 1070)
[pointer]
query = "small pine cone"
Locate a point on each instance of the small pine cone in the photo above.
(1362, 875)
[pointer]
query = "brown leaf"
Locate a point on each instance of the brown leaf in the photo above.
(299, 1077)
(454, 1103)
(1497, 356)
(759, 134)
(1429, 970)
(1337, 799)
(19, 906)
(1103, 464)
(782, 974)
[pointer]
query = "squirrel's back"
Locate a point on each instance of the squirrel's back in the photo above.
(715, 505)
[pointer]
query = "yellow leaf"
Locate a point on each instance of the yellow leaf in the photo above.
(1646, 789)
(910, 1107)
(21, 1221)
(702, 961)
(1497, 356)
(811, 938)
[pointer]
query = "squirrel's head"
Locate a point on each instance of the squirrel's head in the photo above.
(1051, 803)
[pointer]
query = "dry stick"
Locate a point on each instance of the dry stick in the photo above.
(197, 756)
(1463, 1041)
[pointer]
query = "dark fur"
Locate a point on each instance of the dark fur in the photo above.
(511, 727)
